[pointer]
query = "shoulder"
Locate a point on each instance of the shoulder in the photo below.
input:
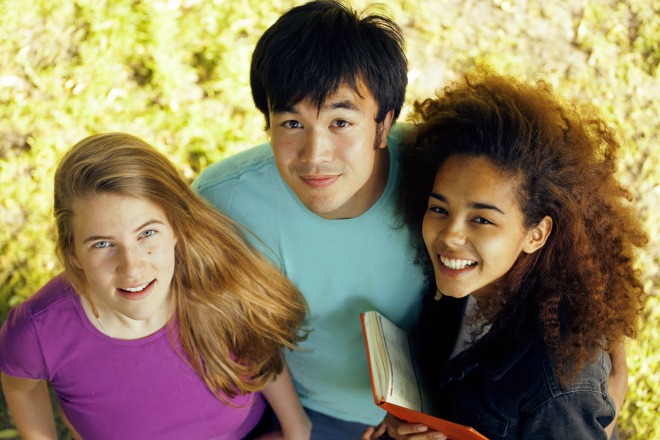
(55, 291)
(21, 335)
(241, 177)
(234, 167)
(401, 135)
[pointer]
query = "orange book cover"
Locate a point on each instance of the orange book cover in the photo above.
(395, 382)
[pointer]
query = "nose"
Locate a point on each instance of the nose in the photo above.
(316, 148)
(131, 262)
(453, 234)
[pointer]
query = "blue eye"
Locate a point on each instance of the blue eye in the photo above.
(148, 233)
(101, 244)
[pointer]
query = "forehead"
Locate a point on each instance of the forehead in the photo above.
(477, 177)
(112, 211)
(358, 98)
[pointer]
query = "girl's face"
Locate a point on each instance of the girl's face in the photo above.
(473, 228)
(125, 247)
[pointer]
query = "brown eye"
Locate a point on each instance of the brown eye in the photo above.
(483, 221)
(292, 124)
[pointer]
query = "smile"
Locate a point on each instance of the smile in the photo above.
(456, 264)
(135, 289)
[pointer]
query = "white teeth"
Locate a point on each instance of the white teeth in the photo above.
(455, 263)
(135, 289)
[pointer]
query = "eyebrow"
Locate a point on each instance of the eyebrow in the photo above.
(345, 104)
(473, 205)
(142, 226)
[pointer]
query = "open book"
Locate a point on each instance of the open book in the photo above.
(398, 386)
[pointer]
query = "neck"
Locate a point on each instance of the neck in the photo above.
(118, 326)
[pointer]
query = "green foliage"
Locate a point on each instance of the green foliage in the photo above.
(640, 414)
(175, 73)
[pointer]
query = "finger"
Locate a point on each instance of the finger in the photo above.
(380, 430)
(427, 435)
(368, 434)
(404, 428)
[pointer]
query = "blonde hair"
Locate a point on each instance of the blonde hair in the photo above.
(235, 310)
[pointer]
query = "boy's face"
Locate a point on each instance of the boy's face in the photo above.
(333, 159)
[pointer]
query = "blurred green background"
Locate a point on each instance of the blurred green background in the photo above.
(176, 74)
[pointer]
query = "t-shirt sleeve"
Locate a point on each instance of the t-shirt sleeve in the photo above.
(20, 348)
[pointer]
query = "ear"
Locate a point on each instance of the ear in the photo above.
(538, 235)
(386, 125)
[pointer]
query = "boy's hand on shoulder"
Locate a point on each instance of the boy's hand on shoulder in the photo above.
(617, 384)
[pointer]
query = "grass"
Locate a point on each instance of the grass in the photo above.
(176, 74)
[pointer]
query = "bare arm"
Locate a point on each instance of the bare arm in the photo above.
(282, 397)
(29, 404)
(617, 385)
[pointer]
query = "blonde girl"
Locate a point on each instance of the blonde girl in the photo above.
(165, 324)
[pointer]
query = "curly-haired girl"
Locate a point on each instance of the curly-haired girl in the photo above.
(532, 242)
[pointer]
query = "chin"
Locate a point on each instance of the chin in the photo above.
(454, 293)
(322, 207)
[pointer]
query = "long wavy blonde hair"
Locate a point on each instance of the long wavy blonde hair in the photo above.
(235, 310)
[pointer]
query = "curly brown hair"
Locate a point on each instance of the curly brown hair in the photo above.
(580, 291)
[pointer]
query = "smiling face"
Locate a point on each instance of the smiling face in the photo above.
(125, 247)
(334, 159)
(473, 228)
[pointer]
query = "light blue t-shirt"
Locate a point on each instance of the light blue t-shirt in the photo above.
(343, 268)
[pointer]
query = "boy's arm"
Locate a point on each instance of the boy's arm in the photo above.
(282, 397)
(617, 384)
(29, 404)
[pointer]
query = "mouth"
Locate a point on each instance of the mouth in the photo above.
(319, 182)
(136, 292)
(456, 263)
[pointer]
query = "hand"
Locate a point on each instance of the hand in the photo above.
(617, 384)
(374, 433)
(400, 430)
(283, 399)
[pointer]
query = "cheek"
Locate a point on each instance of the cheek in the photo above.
(163, 254)
(428, 232)
(285, 147)
(91, 264)
(505, 251)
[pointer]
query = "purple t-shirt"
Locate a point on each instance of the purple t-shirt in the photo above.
(113, 388)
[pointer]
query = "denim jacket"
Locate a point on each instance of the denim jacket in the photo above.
(518, 396)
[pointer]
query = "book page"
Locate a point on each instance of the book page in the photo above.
(396, 379)
(398, 385)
